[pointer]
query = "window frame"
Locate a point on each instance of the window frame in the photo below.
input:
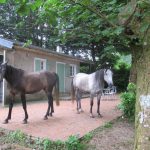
(71, 72)
(41, 60)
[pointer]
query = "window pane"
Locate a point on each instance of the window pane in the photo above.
(40, 64)
(72, 70)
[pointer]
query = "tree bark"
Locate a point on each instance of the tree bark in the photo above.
(142, 121)
(140, 71)
(135, 52)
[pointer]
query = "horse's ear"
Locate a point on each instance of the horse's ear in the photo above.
(105, 70)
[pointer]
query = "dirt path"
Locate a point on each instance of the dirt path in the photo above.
(65, 121)
(119, 136)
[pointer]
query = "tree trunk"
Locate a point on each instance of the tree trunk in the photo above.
(93, 54)
(142, 121)
(140, 72)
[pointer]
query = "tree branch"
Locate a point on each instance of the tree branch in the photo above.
(94, 10)
(130, 17)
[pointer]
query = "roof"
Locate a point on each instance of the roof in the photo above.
(6, 43)
(10, 44)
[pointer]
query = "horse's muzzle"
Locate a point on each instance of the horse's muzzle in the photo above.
(110, 85)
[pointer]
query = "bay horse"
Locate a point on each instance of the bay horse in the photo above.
(92, 83)
(22, 83)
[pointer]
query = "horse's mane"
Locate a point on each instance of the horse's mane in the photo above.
(99, 74)
(13, 75)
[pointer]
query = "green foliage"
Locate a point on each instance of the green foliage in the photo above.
(128, 100)
(2, 1)
(87, 137)
(123, 60)
(108, 125)
(46, 144)
(28, 43)
(121, 76)
(143, 3)
(38, 142)
(17, 136)
(84, 69)
(75, 24)
(73, 143)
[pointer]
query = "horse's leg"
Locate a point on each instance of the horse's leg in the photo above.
(11, 102)
(91, 104)
(98, 104)
(77, 99)
(23, 99)
(50, 104)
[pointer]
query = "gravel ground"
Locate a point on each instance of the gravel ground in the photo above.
(119, 136)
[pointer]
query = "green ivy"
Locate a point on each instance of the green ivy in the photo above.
(128, 100)
(73, 143)
(17, 136)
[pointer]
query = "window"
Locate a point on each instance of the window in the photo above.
(39, 64)
(72, 70)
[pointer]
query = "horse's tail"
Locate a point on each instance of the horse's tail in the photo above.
(72, 91)
(57, 89)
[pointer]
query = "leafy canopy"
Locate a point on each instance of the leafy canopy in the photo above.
(82, 25)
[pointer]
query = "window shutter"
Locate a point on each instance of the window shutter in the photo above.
(37, 65)
(67, 70)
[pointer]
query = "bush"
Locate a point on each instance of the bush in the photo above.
(128, 100)
(17, 136)
(121, 77)
(73, 143)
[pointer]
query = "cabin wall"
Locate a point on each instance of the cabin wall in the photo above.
(24, 59)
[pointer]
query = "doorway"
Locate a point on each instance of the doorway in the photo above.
(61, 73)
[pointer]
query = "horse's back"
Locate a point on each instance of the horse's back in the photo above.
(36, 81)
(85, 82)
(81, 81)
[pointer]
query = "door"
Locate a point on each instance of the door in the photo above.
(61, 74)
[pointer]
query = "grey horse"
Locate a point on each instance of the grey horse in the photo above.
(92, 83)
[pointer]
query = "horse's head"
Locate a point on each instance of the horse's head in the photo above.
(2, 70)
(108, 77)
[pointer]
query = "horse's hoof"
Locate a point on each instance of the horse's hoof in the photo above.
(81, 110)
(78, 112)
(50, 115)
(5, 121)
(100, 116)
(91, 115)
(24, 122)
(45, 118)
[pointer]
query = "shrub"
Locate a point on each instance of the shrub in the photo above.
(128, 100)
(121, 77)
(17, 136)
(47, 144)
(73, 143)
